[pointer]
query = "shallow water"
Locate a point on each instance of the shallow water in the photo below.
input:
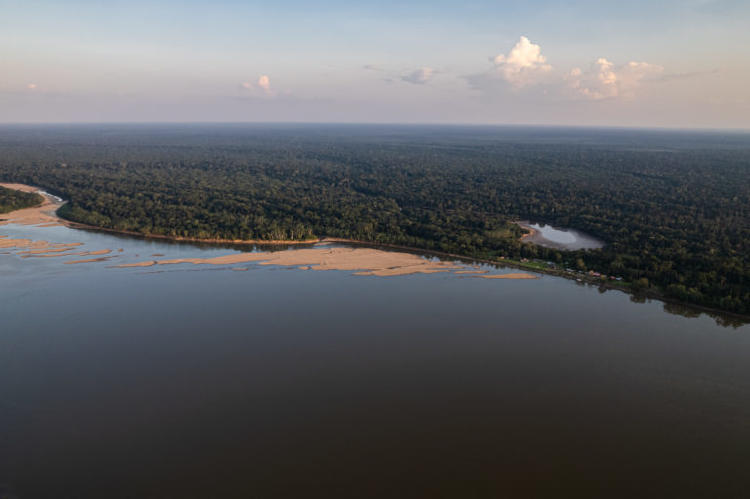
(569, 239)
(199, 381)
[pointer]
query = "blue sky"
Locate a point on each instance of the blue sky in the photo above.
(637, 63)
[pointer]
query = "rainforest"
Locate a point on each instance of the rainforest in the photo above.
(672, 207)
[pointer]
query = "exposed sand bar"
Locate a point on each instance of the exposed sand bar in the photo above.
(517, 275)
(89, 260)
(530, 235)
(43, 251)
(97, 252)
(362, 261)
(367, 261)
(34, 247)
(42, 214)
(54, 253)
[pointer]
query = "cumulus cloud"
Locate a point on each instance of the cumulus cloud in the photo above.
(604, 80)
(263, 84)
(419, 76)
(526, 66)
(523, 65)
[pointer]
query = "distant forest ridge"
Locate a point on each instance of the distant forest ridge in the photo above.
(672, 206)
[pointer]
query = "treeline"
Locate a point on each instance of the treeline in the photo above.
(674, 210)
(11, 200)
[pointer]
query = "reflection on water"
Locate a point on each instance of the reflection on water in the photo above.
(569, 239)
(555, 235)
(205, 382)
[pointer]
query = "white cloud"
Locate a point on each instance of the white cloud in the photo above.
(604, 80)
(524, 65)
(262, 85)
(419, 76)
(264, 82)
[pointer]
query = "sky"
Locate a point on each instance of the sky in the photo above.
(656, 63)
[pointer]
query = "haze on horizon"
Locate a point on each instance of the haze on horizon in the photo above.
(656, 64)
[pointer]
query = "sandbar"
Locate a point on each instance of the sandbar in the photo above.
(42, 214)
(518, 275)
(361, 261)
(89, 260)
(366, 261)
(34, 247)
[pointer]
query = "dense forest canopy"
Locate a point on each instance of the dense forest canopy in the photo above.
(15, 200)
(673, 207)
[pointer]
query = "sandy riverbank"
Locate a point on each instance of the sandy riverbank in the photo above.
(45, 215)
(516, 275)
(322, 256)
(36, 215)
(362, 261)
(32, 247)
(365, 261)
(182, 239)
(529, 236)
(41, 216)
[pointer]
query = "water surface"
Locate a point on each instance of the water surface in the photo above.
(560, 238)
(200, 381)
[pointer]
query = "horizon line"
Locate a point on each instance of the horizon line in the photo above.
(385, 123)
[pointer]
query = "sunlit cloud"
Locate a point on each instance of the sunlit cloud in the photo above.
(526, 66)
(604, 80)
(261, 86)
(419, 76)
(523, 65)
(31, 86)
(264, 82)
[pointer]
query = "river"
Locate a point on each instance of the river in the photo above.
(189, 380)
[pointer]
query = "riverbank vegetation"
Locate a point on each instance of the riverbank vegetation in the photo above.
(11, 200)
(673, 208)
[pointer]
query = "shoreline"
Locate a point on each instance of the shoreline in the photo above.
(582, 241)
(529, 235)
(43, 213)
(646, 294)
(186, 239)
(370, 261)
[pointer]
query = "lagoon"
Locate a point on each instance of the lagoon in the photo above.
(559, 238)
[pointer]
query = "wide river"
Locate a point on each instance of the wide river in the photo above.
(182, 381)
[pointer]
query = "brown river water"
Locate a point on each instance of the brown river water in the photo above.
(185, 380)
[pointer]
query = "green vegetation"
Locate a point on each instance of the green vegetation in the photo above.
(11, 200)
(673, 208)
